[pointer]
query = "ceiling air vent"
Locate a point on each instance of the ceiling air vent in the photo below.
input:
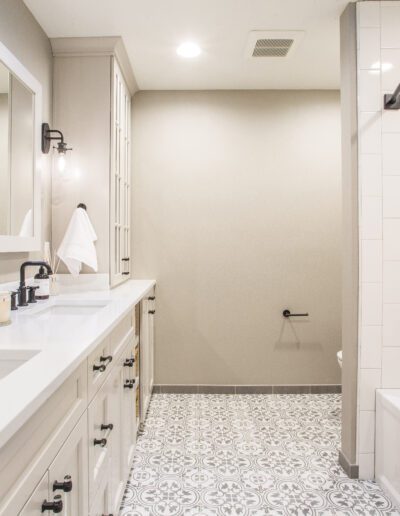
(272, 43)
(272, 47)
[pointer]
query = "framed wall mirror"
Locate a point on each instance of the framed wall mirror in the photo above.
(20, 122)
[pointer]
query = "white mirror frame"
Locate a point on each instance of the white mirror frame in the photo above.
(9, 244)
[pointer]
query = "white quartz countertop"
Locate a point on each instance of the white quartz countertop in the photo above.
(57, 345)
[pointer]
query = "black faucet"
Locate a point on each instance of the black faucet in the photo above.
(22, 286)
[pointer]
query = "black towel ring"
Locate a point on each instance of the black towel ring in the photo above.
(82, 205)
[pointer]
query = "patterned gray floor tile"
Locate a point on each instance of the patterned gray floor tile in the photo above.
(245, 455)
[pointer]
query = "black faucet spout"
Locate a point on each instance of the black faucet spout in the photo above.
(31, 263)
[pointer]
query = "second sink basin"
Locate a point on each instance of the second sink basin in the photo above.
(66, 309)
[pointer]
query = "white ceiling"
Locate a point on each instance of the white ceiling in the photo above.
(152, 29)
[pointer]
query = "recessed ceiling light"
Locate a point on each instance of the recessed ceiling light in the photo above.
(188, 49)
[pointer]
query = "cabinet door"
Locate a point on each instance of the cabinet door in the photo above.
(101, 504)
(68, 472)
(99, 416)
(144, 380)
(128, 425)
(33, 506)
(152, 311)
(120, 181)
(117, 479)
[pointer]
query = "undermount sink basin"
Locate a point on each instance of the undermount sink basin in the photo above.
(66, 309)
(11, 359)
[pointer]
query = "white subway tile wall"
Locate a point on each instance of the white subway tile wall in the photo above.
(371, 346)
(378, 34)
(370, 174)
(391, 325)
(369, 380)
(390, 368)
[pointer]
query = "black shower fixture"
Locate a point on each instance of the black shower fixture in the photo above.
(392, 100)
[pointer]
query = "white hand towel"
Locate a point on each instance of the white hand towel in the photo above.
(77, 246)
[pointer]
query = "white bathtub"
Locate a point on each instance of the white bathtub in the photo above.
(387, 460)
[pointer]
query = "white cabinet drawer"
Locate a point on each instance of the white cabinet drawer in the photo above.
(100, 361)
(27, 455)
(120, 332)
(98, 366)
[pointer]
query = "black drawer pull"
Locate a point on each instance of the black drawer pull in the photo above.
(107, 359)
(100, 368)
(110, 426)
(125, 259)
(100, 442)
(129, 362)
(129, 384)
(65, 486)
(152, 312)
(125, 273)
(151, 298)
(55, 506)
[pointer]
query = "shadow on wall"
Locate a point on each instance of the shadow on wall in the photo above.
(289, 338)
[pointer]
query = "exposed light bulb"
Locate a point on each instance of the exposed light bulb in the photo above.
(188, 49)
(61, 162)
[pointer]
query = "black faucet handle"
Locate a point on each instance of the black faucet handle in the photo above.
(14, 300)
(22, 296)
(32, 293)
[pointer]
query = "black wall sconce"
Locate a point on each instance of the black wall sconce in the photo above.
(47, 138)
(54, 134)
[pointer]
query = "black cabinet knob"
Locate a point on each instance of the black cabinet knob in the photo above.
(100, 368)
(129, 362)
(65, 486)
(110, 426)
(129, 384)
(152, 312)
(55, 506)
(107, 359)
(100, 442)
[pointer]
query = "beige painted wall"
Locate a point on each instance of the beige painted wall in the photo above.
(82, 97)
(23, 36)
(237, 213)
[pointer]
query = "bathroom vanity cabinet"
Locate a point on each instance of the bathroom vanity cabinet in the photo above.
(93, 86)
(73, 456)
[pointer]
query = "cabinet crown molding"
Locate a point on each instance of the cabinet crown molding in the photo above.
(97, 46)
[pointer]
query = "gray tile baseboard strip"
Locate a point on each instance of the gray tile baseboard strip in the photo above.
(350, 469)
(247, 389)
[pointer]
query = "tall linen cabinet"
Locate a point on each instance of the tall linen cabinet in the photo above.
(93, 86)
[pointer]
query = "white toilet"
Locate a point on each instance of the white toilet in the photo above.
(339, 358)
